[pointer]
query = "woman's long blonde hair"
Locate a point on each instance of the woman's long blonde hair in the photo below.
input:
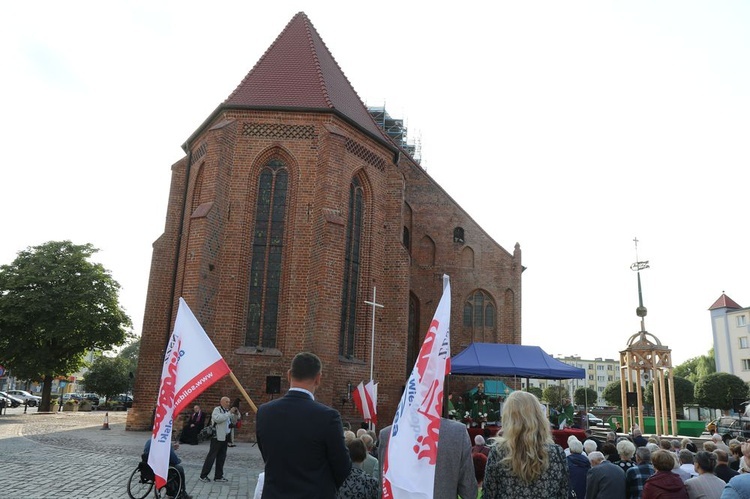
(525, 433)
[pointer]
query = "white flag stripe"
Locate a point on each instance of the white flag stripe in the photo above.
(409, 467)
(191, 365)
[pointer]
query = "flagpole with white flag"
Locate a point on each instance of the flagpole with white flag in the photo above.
(409, 463)
(191, 365)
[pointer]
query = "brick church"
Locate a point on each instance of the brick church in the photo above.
(291, 204)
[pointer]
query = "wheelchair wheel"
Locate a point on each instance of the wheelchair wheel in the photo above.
(173, 488)
(139, 487)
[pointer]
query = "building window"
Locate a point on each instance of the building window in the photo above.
(479, 315)
(741, 320)
(407, 239)
(591, 377)
(743, 341)
(591, 366)
(746, 364)
(609, 367)
(610, 378)
(265, 266)
(458, 235)
(351, 269)
(600, 367)
(600, 378)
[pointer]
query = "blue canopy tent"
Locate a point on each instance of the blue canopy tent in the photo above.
(500, 359)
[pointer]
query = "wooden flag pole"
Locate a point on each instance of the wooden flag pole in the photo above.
(243, 392)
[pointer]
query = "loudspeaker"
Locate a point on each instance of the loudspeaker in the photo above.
(632, 399)
(273, 384)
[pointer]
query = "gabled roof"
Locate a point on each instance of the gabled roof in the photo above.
(724, 302)
(298, 72)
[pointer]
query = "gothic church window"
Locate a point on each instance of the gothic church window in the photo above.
(479, 316)
(265, 266)
(458, 235)
(351, 269)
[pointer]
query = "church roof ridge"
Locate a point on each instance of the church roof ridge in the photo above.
(724, 302)
(298, 71)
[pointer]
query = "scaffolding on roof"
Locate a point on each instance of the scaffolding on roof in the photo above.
(395, 129)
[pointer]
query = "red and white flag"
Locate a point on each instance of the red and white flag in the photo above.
(191, 365)
(366, 399)
(409, 464)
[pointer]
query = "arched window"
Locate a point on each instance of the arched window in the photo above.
(351, 269)
(458, 235)
(479, 316)
(265, 266)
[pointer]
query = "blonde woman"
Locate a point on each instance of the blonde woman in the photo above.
(525, 463)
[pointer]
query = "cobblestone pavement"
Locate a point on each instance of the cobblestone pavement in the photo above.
(68, 455)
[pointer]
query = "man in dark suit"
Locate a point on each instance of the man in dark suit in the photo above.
(722, 469)
(454, 469)
(301, 440)
(604, 480)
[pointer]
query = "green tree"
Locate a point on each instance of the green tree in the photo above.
(554, 394)
(55, 305)
(536, 391)
(612, 394)
(107, 376)
(684, 393)
(585, 396)
(697, 368)
(717, 390)
(130, 354)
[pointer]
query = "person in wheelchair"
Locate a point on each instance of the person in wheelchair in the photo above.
(174, 461)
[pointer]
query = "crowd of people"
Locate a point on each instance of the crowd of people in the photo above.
(521, 462)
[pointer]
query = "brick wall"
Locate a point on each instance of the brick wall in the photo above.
(322, 153)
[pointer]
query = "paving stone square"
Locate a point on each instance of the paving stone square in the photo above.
(69, 455)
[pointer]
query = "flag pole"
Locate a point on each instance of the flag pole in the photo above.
(243, 392)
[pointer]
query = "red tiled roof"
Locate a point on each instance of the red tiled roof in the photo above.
(724, 302)
(298, 72)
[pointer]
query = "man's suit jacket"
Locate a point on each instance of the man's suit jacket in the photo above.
(454, 469)
(725, 472)
(705, 485)
(606, 480)
(302, 443)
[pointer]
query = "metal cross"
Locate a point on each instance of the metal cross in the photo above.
(374, 304)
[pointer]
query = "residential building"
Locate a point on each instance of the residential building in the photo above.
(600, 372)
(730, 325)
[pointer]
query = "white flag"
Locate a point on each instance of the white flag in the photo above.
(191, 365)
(409, 465)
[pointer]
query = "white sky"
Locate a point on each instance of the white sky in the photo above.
(569, 127)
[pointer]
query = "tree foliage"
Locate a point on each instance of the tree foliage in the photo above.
(717, 390)
(585, 396)
(536, 391)
(697, 368)
(54, 306)
(554, 394)
(107, 376)
(130, 354)
(612, 394)
(684, 391)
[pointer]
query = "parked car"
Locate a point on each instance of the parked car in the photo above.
(14, 401)
(92, 397)
(595, 420)
(72, 395)
(32, 400)
(6, 402)
(125, 400)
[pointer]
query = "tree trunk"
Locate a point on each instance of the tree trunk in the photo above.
(46, 393)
